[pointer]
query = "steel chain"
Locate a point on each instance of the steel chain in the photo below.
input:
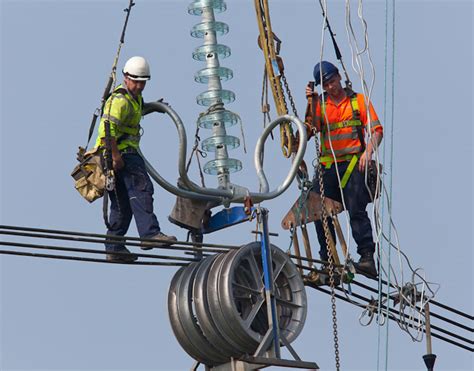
(290, 96)
(324, 217)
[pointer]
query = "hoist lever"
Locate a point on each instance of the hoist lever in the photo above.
(333, 36)
(127, 10)
(336, 47)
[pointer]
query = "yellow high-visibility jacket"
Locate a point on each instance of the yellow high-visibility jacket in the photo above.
(124, 114)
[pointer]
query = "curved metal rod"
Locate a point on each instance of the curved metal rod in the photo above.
(165, 108)
(237, 193)
(173, 189)
(193, 187)
(259, 148)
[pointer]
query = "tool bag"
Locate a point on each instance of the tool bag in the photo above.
(374, 180)
(89, 177)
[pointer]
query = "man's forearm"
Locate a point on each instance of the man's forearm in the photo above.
(374, 142)
(116, 156)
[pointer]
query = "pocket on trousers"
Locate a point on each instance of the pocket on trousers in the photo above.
(139, 181)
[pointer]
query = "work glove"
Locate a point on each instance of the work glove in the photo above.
(162, 102)
(147, 109)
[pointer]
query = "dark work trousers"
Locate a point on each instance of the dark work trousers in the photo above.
(133, 197)
(356, 198)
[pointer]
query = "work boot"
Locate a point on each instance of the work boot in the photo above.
(324, 276)
(366, 265)
(160, 239)
(123, 256)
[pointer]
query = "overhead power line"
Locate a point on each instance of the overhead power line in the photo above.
(193, 248)
(392, 317)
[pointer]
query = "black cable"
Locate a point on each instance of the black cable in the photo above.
(90, 251)
(313, 261)
(435, 315)
(62, 257)
(174, 247)
(116, 238)
(450, 321)
(452, 309)
(444, 306)
(393, 318)
(398, 312)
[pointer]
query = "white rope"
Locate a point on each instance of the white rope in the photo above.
(406, 301)
(347, 233)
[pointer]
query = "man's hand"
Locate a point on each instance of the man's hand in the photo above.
(310, 89)
(364, 160)
(295, 142)
(162, 102)
(118, 163)
(374, 142)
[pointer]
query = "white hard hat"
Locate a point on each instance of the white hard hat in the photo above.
(137, 69)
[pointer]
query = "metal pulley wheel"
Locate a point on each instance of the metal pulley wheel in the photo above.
(218, 308)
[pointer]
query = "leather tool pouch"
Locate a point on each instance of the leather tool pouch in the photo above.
(89, 177)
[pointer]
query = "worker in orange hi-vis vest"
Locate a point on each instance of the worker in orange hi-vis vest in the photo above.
(344, 121)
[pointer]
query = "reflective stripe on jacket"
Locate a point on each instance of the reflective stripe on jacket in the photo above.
(342, 125)
(124, 114)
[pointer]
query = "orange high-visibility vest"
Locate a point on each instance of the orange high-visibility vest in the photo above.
(339, 125)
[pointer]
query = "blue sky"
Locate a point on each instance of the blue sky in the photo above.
(55, 59)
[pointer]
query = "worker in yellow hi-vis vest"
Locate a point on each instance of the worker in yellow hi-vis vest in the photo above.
(133, 194)
(343, 118)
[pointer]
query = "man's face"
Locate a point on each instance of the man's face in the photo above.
(135, 87)
(333, 85)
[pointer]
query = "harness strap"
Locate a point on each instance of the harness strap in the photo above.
(348, 172)
(330, 160)
(356, 115)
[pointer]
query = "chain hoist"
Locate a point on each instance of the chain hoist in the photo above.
(274, 69)
(324, 217)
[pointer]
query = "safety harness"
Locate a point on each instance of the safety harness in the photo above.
(351, 154)
(127, 133)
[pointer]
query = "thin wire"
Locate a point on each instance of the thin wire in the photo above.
(357, 61)
(379, 304)
(392, 129)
